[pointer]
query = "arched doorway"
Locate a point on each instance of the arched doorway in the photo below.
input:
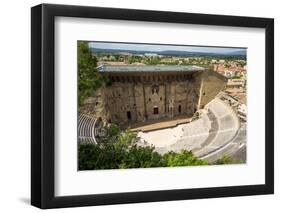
(179, 109)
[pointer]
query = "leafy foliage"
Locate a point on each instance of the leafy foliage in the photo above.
(224, 160)
(152, 61)
(120, 150)
(89, 79)
(184, 158)
(134, 59)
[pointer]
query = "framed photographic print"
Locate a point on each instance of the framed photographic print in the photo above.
(139, 106)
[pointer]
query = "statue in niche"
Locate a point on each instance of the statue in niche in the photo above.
(155, 89)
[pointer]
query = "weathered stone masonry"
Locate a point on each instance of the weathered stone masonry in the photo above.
(153, 92)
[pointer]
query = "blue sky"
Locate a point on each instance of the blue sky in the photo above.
(156, 48)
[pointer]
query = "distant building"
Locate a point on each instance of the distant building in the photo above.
(236, 84)
(151, 54)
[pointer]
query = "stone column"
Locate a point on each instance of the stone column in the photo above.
(144, 103)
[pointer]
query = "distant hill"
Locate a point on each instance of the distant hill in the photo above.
(170, 52)
(239, 52)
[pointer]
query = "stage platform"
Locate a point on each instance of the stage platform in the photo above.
(160, 124)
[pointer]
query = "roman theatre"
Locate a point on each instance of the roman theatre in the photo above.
(172, 107)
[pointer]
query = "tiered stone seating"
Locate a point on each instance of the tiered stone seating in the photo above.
(227, 122)
(191, 136)
(225, 128)
(200, 126)
(86, 129)
(234, 148)
(210, 133)
(218, 107)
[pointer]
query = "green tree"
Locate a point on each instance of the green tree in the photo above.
(121, 149)
(116, 149)
(133, 59)
(103, 155)
(152, 60)
(89, 79)
(141, 157)
(224, 160)
(183, 158)
(227, 65)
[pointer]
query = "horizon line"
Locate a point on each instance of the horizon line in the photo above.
(163, 47)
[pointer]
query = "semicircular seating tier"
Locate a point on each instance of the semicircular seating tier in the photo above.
(214, 131)
(86, 129)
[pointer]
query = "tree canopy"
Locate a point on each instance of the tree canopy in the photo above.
(225, 159)
(118, 149)
(183, 158)
(89, 79)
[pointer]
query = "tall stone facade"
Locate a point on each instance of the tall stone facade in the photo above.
(150, 93)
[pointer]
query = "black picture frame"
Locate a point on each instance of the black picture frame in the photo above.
(43, 102)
